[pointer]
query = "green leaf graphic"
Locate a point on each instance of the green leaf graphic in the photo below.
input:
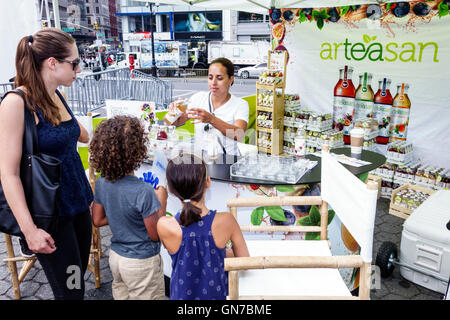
(331, 215)
(312, 236)
(366, 38)
(276, 213)
(285, 188)
(256, 216)
(373, 38)
(314, 215)
(301, 17)
(344, 10)
(320, 23)
(305, 221)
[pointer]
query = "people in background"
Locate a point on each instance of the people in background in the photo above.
(131, 208)
(196, 238)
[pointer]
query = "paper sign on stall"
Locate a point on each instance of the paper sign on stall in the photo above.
(126, 108)
(159, 167)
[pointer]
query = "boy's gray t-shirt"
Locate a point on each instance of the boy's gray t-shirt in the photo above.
(127, 202)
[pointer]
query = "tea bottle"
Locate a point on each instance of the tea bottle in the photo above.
(382, 109)
(401, 107)
(364, 97)
(344, 103)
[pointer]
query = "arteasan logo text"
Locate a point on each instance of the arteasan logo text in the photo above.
(376, 51)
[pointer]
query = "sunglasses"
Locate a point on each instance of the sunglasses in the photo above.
(74, 63)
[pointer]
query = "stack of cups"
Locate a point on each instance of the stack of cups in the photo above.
(356, 140)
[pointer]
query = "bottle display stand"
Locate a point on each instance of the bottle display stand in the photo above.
(270, 105)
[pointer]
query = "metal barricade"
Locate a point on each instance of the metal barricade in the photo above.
(90, 91)
(5, 87)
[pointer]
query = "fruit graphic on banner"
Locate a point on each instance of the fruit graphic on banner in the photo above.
(382, 109)
(344, 103)
(364, 97)
(278, 31)
(401, 107)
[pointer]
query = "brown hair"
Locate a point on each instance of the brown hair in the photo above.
(186, 179)
(31, 52)
(118, 147)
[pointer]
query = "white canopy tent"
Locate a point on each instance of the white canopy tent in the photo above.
(18, 19)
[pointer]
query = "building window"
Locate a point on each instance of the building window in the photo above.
(88, 10)
(250, 17)
(97, 9)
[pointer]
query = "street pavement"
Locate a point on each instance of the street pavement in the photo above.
(387, 228)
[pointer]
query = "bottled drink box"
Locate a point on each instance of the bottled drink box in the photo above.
(425, 243)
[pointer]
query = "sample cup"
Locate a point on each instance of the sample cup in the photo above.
(356, 140)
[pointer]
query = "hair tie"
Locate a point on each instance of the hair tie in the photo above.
(187, 200)
(30, 39)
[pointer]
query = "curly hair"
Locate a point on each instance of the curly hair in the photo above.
(118, 147)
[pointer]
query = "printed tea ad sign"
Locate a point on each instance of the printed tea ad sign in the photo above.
(390, 62)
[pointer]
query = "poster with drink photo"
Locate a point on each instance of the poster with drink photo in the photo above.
(386, 61)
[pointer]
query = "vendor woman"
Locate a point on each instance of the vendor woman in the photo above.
(218, 110)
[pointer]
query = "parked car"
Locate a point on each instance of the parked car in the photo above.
(253, 71)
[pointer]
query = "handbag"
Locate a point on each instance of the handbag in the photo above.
(40, 175)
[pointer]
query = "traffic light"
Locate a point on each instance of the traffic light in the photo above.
(44, 24)
(96, 25)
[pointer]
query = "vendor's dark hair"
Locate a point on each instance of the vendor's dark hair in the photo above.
(186, 179)
(118, 147)
(227, 64)
(31, 53)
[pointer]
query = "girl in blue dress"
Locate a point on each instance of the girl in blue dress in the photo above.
(196, 238)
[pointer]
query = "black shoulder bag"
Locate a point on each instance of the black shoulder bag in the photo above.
(40, 175)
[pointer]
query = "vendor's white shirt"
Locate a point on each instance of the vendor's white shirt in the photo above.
(234, 109)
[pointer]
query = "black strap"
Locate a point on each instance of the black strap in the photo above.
(30, 142)
(210, 111)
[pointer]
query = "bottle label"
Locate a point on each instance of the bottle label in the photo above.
(300, 146)
(382, 113)
(363, 109)
(399, 123)
(343, 112)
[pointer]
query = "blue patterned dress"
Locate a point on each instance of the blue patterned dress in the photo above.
(198, 265)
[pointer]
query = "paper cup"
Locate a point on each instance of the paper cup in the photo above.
(356, 140)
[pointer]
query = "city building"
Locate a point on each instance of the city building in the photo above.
(86, 20)
(188, 24)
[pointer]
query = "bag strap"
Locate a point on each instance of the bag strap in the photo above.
(30, 143)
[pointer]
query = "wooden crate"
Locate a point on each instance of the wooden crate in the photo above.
(400, 211)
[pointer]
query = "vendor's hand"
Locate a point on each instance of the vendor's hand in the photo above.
(200, 114)
(40, 241)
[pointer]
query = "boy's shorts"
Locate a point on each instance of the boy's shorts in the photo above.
(137, 279)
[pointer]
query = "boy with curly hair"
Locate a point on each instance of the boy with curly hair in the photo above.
(131, 208)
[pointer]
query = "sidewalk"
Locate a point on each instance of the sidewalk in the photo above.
(387, 228)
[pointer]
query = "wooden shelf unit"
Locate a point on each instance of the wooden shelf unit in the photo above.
(276, 60)
(277, 111)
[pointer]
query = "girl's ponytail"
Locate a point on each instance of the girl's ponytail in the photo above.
(186, 179)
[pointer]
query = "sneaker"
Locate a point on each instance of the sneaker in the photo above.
(24, 250)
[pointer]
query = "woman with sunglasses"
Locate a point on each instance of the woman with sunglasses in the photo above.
(44, 61)
(217, 109)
